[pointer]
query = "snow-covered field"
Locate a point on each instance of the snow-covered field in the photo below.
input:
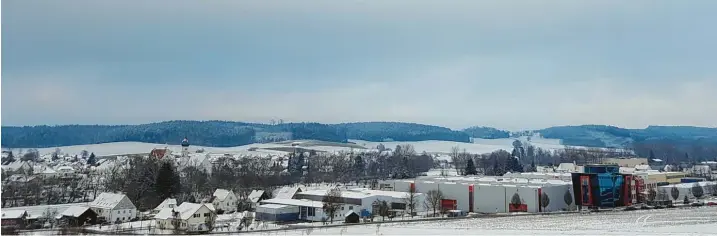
(692, 221)
(263, 149)
(478, 146)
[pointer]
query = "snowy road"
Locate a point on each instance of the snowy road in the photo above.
(692, 221)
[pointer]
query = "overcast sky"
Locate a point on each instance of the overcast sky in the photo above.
(507, 64)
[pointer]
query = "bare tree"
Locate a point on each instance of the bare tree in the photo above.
(411, 201)
(433, 200)
(332, 202)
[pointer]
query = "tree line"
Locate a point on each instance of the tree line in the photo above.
(221, 133)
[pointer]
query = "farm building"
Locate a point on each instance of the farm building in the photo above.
(78, 216)
(114, 207)
(493, 194)
(14, 219)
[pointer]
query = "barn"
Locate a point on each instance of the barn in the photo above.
(78, 216)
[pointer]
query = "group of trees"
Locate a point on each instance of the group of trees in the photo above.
(525, 157)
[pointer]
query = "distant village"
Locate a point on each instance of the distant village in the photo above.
(178, 190)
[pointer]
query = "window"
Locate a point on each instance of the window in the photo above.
(122, 218)
(312, 211)
(351, 207)
(342, 208)
(124, 211)
(207, 214)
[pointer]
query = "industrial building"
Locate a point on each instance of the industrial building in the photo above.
(603, 186)
(308, 205)
(687, 190)
(295, 209)
(493, 194)
(276, 212)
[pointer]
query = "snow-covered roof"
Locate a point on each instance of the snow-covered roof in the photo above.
(273, 206)
(186, 210)
(255, 195)
(65, 168)
(286, 192)
(13, 214)
(167, 203)
(49, 171)
(359, 193)
(15, 165)
(690, 185)
(294, 202)
(210, 206)
(107, 200)
(221, 194)
(75, 211)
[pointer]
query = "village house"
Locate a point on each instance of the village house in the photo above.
(167, 203)
(257, 196)
(114, 207)
(65, 172)
(189, 217)
(224, 201)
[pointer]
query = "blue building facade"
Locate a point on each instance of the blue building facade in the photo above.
(602, 186)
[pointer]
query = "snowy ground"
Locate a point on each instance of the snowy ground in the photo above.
(692, 221)
(260, 149)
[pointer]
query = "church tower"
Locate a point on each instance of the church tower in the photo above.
(185, 147)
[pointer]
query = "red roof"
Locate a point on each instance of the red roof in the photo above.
(158, 153)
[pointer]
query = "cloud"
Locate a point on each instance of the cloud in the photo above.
(509, 64)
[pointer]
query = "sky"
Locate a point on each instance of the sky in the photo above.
(507, 64)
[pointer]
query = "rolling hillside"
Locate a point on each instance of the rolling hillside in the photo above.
(664, 141)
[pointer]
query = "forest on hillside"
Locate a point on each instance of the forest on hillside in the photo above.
(674, 143)
(221, 133)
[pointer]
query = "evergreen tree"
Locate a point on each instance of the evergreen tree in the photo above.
(471, 168)
(359, 166)
(515, 153)
(652, 155)
(92, 160)
(167, 183)
(533, 168)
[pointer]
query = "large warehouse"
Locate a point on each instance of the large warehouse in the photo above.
(493, 194)
(688, 190)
